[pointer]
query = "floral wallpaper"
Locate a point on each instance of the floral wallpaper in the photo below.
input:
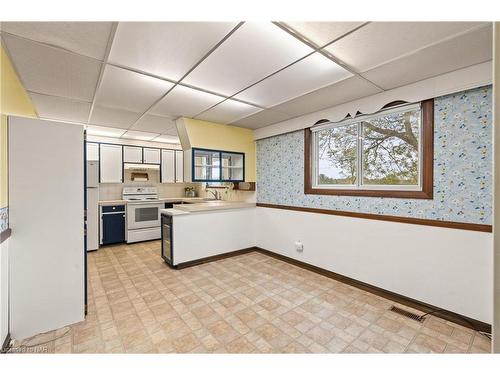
(4, 219)
(462, 167)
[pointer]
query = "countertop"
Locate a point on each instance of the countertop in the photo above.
(205, 206)
(174, 199)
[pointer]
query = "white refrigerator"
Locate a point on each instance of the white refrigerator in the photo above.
(92, 205)
(46, 172)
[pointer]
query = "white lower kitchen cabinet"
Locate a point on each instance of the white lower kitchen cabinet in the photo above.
(193, 235)
(111, 163)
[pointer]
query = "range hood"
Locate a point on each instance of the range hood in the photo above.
(141, 167)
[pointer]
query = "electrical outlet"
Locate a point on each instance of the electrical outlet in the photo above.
(299, 246)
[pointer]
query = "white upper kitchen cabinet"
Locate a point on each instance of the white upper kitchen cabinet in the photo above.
(92, 151)
(111, 163)
(179, 166)
(168, 166)
(132, 154)
(151, 156)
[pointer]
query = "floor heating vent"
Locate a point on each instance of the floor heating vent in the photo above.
(407, 314)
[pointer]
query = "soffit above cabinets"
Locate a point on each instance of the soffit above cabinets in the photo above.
(380, 42)
(114, 117)
(85, 38)
(253, 51)
(129, 90)
(185, 101)
(228, 111)
(52, 71)
(311, 73)
(322, 33)
(165, 49)
(53, 107)
(155, 124)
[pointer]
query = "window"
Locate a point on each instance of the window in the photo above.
(217, 165)
(386, 154)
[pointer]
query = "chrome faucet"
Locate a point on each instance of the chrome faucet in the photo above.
(215, 193)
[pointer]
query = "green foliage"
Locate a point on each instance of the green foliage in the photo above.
(389, 150)
(325, 180)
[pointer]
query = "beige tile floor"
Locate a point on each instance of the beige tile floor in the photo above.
(250, 303)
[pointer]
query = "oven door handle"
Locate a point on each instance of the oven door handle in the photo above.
(145, 204)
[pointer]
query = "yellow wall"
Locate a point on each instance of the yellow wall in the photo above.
(206, 134)
(14, 100)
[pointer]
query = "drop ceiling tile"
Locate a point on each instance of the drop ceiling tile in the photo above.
(338, 93)
(380, 42)
(262, 118)
(185, 101)
(155, 124)
(52, 71)
(321, 33)
(228, 111)
(114, 117)
(56, 108)
(104, 131)
(167, 139)
(309, 74)
(171, 131)
(460, 52)
(165, 49)
(86, 38)
(252, 52)
(143, 136)
(121, 88)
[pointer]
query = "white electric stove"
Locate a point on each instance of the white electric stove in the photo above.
(143, 213)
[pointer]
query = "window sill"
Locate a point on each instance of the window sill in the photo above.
(407, 194)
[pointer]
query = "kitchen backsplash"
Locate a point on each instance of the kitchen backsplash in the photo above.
(109, 192)
(231, 195)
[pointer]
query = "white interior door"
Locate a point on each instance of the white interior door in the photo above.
(46, 216)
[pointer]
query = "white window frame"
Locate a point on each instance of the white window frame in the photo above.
(359, 155)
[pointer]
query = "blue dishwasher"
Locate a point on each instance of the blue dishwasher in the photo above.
(113, 224)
